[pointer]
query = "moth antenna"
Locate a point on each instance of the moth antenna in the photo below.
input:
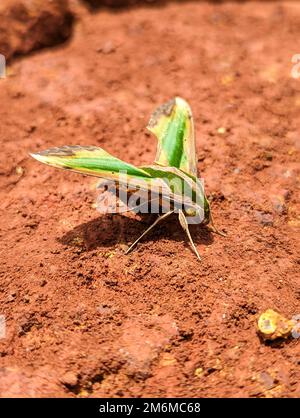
(212, 227)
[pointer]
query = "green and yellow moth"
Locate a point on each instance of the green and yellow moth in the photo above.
(170, 184)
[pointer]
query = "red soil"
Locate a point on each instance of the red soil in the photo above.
(82, 318)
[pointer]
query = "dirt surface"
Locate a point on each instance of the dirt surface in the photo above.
(82, 318)
(28, 25)
(95, 4)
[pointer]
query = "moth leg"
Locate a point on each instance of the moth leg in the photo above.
(159, 219)
(185, 226)
(212, 227)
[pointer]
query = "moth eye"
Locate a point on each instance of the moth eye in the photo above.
(191, 212)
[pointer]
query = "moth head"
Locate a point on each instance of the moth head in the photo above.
(191, 212)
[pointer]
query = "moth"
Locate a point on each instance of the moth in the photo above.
(170, 184)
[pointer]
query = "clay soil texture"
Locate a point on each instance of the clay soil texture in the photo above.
(82, 318)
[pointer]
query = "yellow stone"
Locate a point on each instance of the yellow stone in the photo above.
(227, 79)
(221, 130)
(19, 170)
(272, 325)
(199, 372)
(168, 360)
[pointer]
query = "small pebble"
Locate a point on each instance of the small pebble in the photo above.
(221, 130)
(69, 379)
(265, 219)
(271, 325)
(107, 48)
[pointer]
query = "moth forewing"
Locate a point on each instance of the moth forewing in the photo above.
(93, 161)
(172, 124)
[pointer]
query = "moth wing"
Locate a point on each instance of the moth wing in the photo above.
(114, 198)
(172, 124)
(96, 162)
(89, 160)
(107, 200)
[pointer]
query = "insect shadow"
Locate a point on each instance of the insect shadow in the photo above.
(110, 230)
